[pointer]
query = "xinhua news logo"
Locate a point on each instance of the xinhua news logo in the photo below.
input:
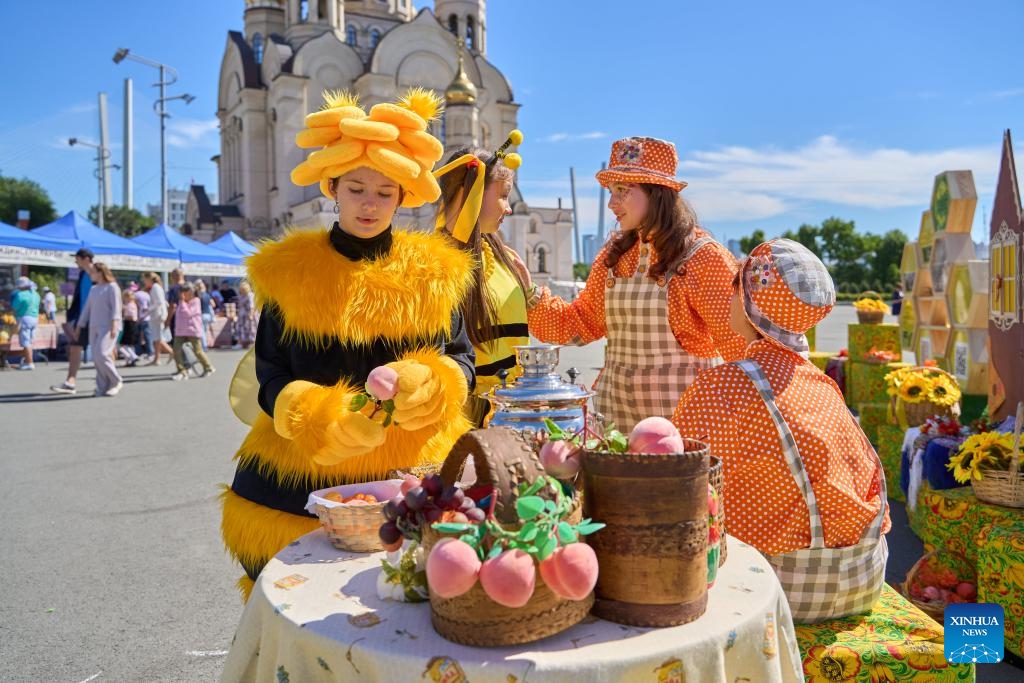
(974, 633)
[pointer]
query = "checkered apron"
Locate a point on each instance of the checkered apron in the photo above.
(823, 583)
(645, 371)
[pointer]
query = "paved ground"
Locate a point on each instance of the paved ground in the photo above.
(111, 563)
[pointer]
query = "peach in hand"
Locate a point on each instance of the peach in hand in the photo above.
(382, 383)
(560, 459)
(655, 435)
(452, 567)
(509, 578)
(571, 571)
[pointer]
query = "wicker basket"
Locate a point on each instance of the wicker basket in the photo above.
(944, 558)
(717, 479)
(870, 317)
(504, 459)
(354, 528)
(1003, 487)
(914, 414)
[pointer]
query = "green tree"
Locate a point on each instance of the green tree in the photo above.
(885, 262)
(28, 195)
(121, 220)
(844, 251)
(806, 235)
(747, 244)
(581, 271)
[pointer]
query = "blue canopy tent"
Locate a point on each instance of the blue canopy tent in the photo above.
(233, 244)
(117, 252)
(25, 248)
(196, 258)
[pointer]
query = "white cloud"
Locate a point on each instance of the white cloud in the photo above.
(190, 132)
(747, 184)
(825, 170)
(572, 137)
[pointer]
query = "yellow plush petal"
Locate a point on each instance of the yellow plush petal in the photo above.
(336, 154)
(399, 116)
(305, 174)
(369, 130)
(425, 147)
(392, 157)
(333, 117)
(425, 103)
(288, 415)
(317, 137)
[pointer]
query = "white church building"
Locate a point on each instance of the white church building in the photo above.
(274, 72)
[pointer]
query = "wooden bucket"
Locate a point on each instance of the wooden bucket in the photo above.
(653, 552)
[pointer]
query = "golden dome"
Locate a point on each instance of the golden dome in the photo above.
(461, 90)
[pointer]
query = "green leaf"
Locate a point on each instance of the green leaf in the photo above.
(591, 444)
(358, 402)
(387, 421)
(528, 532)
(388, 406)
(529, 507)
(495, 551)
(546, 547)
(617, 441)
(550, 506)
(554, 431)
(452, 527)
(566, 534)
(468, 539)
(585, 528)
(533, 488)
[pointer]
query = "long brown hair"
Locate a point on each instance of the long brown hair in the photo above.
(478, 309)
(669, 223)
(104, 270)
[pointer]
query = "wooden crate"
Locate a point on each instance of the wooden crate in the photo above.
(954, 199)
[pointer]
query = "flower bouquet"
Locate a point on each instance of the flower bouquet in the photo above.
(871, 308)
(990, 461)
(920, 392)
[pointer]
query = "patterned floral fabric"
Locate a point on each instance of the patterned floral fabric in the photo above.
(890, 443)
(1001, 576)
(894, 642)
(951, 518)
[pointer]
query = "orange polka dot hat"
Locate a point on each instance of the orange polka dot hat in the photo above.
(642, 160)
(786, 291)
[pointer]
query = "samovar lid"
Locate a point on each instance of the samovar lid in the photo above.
(540, 381)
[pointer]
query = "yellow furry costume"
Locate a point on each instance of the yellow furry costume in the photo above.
(335, 307)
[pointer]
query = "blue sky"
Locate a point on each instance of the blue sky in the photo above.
(783, 113)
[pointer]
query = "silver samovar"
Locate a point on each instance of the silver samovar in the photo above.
(538, 394)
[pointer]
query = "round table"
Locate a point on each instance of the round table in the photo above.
(314, 615)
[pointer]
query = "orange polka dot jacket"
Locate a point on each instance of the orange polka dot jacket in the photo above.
(763, 505)
(698, 304)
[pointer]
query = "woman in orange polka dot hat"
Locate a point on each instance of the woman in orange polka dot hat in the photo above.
(658, 290)
(803, 485)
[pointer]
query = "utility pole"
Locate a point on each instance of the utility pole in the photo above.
(600, 212)
(575, 217)
(128, 201)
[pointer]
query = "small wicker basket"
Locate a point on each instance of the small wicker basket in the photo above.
(870, 317)
(943, 558)
(1004, 487)
(354, 528)
(914, 414)
(502, 458)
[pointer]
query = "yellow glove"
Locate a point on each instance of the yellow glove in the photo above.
(419, 401)
(352, 434)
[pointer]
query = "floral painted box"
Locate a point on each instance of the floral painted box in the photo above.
(862, 339)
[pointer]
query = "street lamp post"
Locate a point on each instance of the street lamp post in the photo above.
(158, 106)
(102, 154)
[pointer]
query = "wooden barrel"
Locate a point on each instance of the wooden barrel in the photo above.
(652, 555)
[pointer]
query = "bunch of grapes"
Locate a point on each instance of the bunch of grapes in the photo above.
(423, 502)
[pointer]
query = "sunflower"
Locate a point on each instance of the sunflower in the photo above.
(913, 389)
(943, 391)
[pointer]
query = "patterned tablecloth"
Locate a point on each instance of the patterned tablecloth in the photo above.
(314, 616)
(895, 641)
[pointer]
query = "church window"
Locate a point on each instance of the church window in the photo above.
(1005, 274)
(321, 9)
(542, 260)
(374, 37)
(257, 47)
(533, 226)
(303, 10)
(470, 34)
(350, 35)
(453, 24)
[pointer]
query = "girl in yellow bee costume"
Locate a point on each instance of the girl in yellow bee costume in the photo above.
(336, 305)
(475, 187)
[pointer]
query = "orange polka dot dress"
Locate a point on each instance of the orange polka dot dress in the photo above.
(764, 506)
(698, 303)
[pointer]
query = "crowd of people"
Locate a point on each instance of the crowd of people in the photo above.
(137, 323)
